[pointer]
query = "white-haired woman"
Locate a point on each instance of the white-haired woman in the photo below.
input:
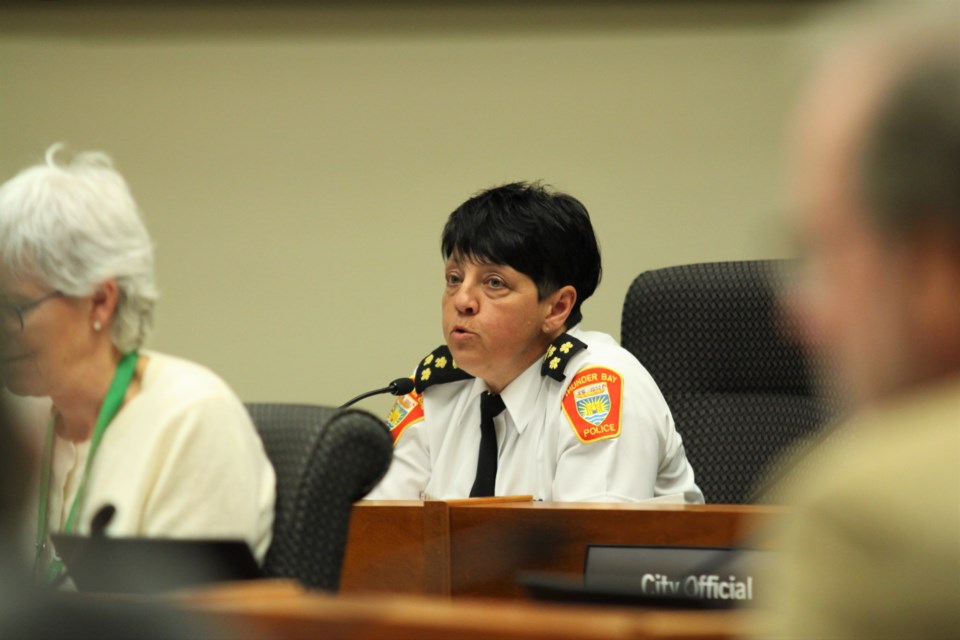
(162, 440)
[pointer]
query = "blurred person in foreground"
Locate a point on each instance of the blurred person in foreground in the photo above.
(26, 611)
(163, 440)
(872, 549)
(521, 399)
(15, 473)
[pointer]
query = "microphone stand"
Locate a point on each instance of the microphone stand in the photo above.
(399, 387)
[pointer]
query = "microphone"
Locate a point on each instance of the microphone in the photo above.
(399, 387)
(102, 518)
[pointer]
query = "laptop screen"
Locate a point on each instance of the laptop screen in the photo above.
(150, 565)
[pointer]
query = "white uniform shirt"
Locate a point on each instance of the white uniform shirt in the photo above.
(181, 459)
(540, 452)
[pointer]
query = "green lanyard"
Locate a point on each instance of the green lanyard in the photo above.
(110, 407)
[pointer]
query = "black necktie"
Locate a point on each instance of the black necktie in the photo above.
(486, 480)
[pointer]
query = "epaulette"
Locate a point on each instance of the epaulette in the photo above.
(559, 354)
(438, 368)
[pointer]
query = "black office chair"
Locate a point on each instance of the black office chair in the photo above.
(325, 460)
(741, 393)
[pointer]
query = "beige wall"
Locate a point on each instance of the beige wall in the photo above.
(295, 165)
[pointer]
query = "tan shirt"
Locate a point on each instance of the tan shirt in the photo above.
(180, 459)
(873, 548)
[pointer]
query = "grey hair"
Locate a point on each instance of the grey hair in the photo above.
(910, 165)
(75, 225)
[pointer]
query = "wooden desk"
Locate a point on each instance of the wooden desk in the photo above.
(282, 611)
(477, 547)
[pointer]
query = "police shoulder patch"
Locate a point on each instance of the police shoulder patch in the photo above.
(407, 411)
(593, 403)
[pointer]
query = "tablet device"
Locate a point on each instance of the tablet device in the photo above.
(151, 565)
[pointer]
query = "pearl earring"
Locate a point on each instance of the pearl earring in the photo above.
(96, 325)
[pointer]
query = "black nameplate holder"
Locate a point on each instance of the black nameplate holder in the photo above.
(658, 577)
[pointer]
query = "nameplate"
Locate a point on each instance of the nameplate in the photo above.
(719, 576)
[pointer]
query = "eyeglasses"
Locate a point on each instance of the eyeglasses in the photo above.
(12, 314)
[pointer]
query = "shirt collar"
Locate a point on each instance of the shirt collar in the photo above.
(521, 397)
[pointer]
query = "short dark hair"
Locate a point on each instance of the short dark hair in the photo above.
(910, 168)
(542, 233)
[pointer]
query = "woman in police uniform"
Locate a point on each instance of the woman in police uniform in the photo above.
(521, 399)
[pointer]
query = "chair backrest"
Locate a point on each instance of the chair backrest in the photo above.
(740, 391)
(325, 460)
